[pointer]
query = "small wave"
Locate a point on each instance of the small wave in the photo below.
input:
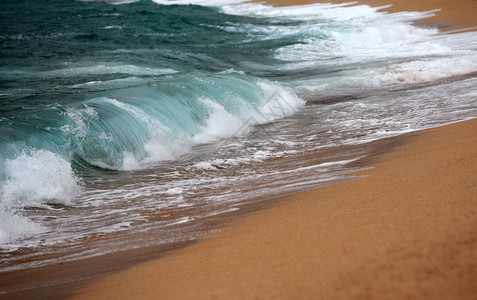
(99, 85)
(113, 27)
(430, 70)
(104, 69)
(198, 2)
(320, 11)
(97, 69)
(115, 2)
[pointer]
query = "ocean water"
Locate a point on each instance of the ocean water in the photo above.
(127, 117)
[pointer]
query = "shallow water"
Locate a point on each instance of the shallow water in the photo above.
(120, 118)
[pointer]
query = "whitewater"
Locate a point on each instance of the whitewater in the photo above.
(124, 123)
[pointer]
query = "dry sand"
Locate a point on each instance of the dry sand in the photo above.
(408, 229)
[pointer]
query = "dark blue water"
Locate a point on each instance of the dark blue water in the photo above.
(109, 112)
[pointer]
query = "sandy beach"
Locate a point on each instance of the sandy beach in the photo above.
(407, 228)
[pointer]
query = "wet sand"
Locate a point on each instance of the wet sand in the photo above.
(406, 229)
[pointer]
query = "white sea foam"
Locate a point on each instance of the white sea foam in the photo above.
(14, 226)
(103, 69)
(115, 2)
(415, 71)
(346, 36)
(430, 69)
(174, 191)
(341, 35)
(99, 85)
(342, 47)
(322, 11)
(113, 27)
(198, 2)
(279, 103)
(218, 163)
(33, 179)
(220, 124)
(204, 165)
(158, 149)
(38, 177)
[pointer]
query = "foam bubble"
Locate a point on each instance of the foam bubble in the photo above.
(216, 164)
(38, 177)
(14, 227)
(371, 42)
(198, 2)
(429, 70)
(32, 179)
(174, 191)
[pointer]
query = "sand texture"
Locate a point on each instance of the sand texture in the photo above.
(407, 229)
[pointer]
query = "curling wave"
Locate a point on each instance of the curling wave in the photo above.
(132, 128)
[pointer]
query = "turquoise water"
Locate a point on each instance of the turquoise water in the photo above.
(68, 67)
(110, 111)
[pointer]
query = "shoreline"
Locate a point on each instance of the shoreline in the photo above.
(136, 259)
(451, 15)
(405, 229)
(59, 281)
